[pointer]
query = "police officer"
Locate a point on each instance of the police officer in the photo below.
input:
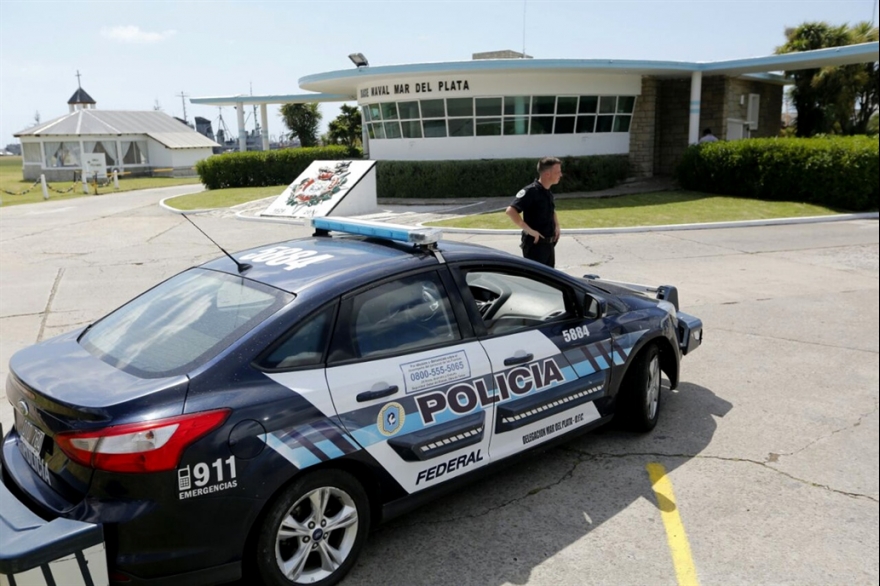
(539, 224)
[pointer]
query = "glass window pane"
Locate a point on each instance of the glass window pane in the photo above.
(488, 106)
(566, 104)
(389, 111)
(625, 104)
(433, 109)
(411, 129)
(564, 125)
(604, 123)
(375, 112)
(588, 105)
(434, 128)
(606, 104)
(366, 110)
(378, 130)
(305, 346)
(542, 125)
(543, 104)
(403, 315)
(31, 152)
(459, 107)
(516, 105)
(392, 130)
(621, 123)
(489, 126)
(461, 127)
(517, 125)
(585, 124)
(526, 304)
(370, 131)
(408, 110)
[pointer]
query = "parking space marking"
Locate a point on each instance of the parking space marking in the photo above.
(679, 547)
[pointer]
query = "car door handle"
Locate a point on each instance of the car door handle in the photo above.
(518, 359)
(376, 394)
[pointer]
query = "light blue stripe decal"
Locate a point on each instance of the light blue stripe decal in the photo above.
(299, 457)
(584, 368)
(329, 448)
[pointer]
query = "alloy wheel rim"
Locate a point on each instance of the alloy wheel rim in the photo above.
(652, 398)
(316, 535)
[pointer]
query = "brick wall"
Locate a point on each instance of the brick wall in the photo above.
(642, 130)
(671, 123)
(769, 109)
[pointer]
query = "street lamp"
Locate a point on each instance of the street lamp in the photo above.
(358, 59)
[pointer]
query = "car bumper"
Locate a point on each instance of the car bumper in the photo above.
(690, 332)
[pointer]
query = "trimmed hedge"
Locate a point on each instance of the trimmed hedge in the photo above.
(493, 177)
(839, 172)
(263, 168)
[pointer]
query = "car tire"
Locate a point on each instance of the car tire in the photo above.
(314, 530)
(640, 392)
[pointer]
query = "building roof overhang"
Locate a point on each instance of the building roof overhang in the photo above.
(341, 85)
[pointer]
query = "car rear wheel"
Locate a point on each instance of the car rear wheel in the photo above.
(640, 393)
(314, 530)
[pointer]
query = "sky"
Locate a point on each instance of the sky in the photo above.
(134, 55)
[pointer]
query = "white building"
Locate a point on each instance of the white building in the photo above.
(133, 142)
(498, 107)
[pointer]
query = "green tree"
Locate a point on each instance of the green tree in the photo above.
(302, 120)
(345, 129)
(837, 100)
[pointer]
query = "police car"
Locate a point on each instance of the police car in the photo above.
(261, 412)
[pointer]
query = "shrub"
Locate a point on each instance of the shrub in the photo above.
(839, 172)
(263, 168)
(493, 177)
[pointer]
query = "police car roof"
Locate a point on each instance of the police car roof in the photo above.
(343, 261)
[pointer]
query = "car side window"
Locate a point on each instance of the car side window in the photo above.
(510, 302)
(305, 345)
(404, 315)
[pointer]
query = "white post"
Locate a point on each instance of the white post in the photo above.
(264, 126)
(115, 179)
(85, 181)
(694, 123)
(242, 134)
(45, 187)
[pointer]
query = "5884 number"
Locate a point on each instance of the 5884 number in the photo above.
(578, 333)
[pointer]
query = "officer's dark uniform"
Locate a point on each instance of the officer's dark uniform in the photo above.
(537, 206)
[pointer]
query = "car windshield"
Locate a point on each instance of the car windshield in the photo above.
(181, 323)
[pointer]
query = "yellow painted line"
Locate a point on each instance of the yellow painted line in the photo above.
(685, 571)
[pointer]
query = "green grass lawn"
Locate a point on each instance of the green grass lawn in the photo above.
(11, 182)
(653, 209)
(223, 198)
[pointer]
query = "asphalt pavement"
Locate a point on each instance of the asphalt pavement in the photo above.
(771, 441)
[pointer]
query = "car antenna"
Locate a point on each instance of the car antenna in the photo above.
(242, 266)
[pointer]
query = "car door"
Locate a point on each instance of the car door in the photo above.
(409, 382)
(551, 362)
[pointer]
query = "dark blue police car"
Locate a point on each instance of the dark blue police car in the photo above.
(262, 411)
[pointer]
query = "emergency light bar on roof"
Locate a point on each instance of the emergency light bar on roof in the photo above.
(423, 236)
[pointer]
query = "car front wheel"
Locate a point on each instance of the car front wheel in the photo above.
(640, 408)
(314, 530)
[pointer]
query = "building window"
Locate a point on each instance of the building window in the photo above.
(30, 152)
(496, 116)
(62, 154)
(108, 147)
(134, 152)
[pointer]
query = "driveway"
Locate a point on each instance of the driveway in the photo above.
(770, 442)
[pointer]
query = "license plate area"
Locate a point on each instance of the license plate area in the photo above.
(33, 440)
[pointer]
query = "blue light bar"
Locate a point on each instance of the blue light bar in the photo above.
(379, 230)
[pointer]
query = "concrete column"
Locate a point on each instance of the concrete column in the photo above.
(242, 134)
(264, 127)
(694, 123)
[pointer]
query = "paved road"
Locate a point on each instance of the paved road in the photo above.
(771, 441)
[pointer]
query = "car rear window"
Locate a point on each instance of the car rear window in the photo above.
(181, 323)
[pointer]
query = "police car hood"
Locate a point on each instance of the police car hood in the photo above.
(67, 379)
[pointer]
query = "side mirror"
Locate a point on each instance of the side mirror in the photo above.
(595, 307)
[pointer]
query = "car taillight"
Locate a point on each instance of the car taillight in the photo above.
(151, 446)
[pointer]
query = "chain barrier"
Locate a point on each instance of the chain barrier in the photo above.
(68, 190)
(37, 182)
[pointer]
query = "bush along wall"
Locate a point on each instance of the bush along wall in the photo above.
(263, 168)
(493, 177)
(839, 172)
